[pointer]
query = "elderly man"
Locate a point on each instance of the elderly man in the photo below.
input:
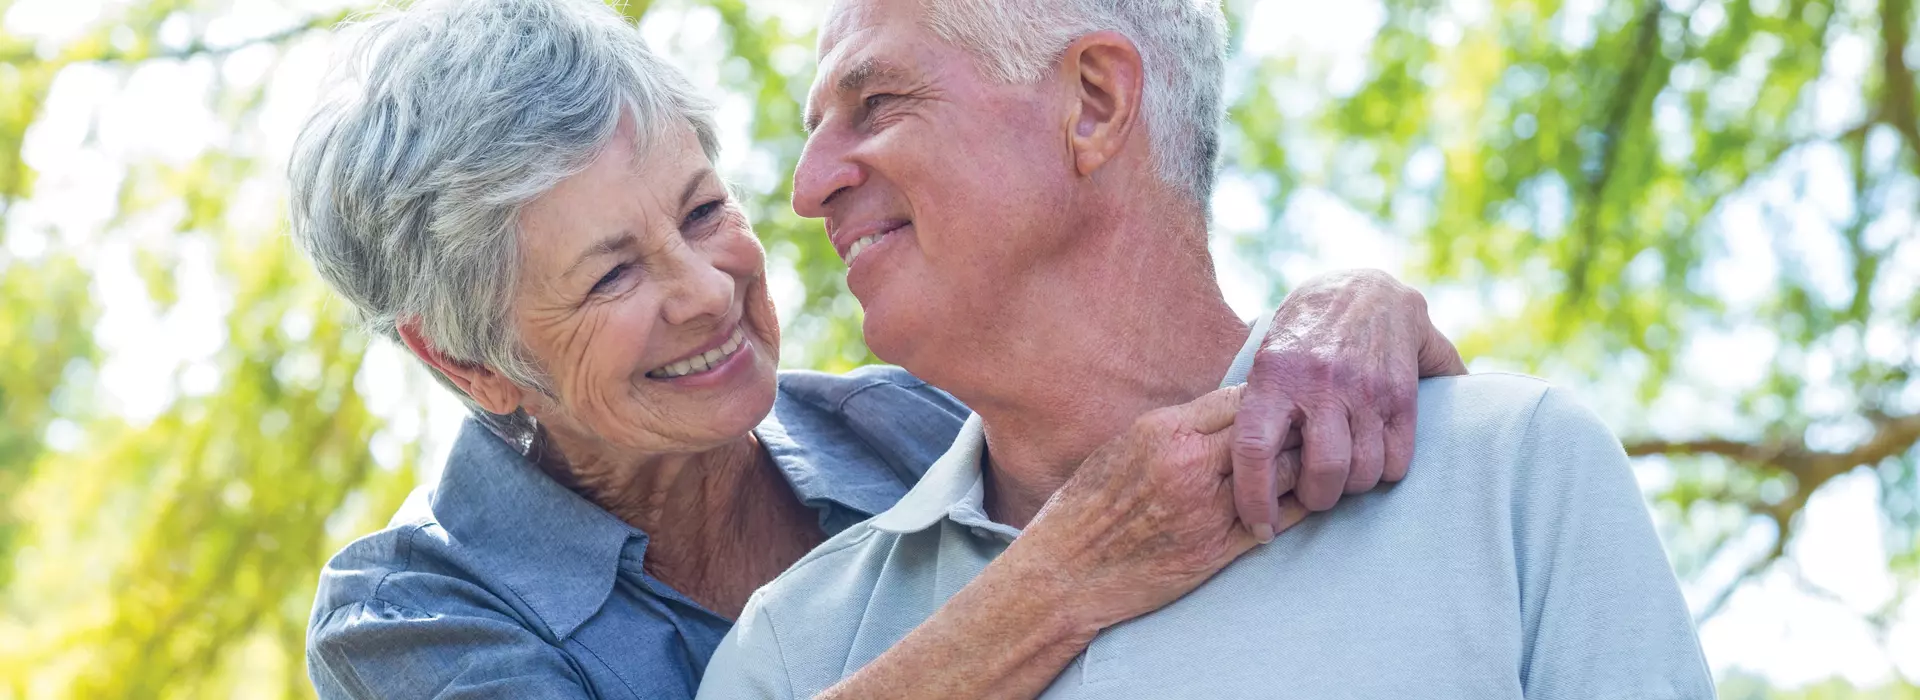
(1041, 171)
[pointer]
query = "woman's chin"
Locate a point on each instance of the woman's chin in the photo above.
(730, 398)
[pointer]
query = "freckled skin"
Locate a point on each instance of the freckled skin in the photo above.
(967, 160)
(685, 282)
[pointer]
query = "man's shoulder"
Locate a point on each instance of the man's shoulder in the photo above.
(1489, 403)
(838, 574)
(1472, 394)
(1477, 405)
(799, 632)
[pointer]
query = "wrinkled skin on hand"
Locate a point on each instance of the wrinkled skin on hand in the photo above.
(1337, 376)
(1152, 514)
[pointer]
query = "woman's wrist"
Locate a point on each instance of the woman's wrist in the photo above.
(1043, 583)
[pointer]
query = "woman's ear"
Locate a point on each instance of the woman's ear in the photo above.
(1104, 74)
(493, 392)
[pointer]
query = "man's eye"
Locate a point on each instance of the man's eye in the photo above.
(607, 281)
(873, 102)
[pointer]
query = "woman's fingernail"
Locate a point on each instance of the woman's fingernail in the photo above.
(1263, 533)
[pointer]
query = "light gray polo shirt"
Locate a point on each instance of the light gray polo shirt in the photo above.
(1516, 561)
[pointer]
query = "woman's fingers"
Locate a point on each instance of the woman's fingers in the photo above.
(1328, 458)
(1369, 453)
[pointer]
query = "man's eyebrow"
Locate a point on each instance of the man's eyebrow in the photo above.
(868, 70)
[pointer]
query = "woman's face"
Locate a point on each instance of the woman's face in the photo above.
(643, 296)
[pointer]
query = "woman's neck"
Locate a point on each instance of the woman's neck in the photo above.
(720, 523)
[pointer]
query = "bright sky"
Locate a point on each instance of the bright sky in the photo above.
(1773, 626)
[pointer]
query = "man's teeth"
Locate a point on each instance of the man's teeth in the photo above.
(704, 361)
(861, 245)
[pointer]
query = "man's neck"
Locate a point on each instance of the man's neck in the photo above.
(1110, 333)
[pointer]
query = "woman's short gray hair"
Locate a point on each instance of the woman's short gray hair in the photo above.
(1182, 43)
(440, 124)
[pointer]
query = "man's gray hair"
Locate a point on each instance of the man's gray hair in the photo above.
(440, 124)
(1181, 42)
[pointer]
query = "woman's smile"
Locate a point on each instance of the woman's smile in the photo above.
(718, 362)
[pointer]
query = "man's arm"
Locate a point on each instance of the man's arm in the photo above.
(1602, 614)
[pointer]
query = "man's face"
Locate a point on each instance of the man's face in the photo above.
(941, 187)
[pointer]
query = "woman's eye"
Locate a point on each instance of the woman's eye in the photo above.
(700, 213)
(607, 281)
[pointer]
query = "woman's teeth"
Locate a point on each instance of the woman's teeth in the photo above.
(704, 361)
(861, 245)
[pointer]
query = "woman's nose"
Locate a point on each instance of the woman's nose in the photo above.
(702, 288)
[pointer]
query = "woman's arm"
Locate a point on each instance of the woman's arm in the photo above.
(373, 649)
(1345, 350)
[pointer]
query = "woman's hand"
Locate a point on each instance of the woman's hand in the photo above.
(1147, 517)
(1341, 368)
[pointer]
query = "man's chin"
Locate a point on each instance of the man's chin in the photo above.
(887, 335)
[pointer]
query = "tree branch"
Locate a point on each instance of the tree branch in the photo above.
(1892, 435)
(1752, 569)
(1897, 104)
(1625, 95)
(196, 48)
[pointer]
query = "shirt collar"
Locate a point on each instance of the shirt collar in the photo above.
(553, 548)
(946, 486)
(561, 553)
(824, 468)
(953, 487)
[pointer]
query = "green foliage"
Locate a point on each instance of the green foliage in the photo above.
(1583, 168)
(1743, 686)
(1595, 179)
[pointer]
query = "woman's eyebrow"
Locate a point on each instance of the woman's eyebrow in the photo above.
(693, 185)
(624, 239)
(606, 246)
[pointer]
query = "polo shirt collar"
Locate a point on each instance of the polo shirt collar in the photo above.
(947, 485)
(954, 488)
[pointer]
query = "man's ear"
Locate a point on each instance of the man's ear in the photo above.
(486, 387)
(1103, 74)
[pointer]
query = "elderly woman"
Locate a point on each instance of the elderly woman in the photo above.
(524, 196)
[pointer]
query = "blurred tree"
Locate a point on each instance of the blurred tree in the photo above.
(1630, 189)
(1587, 157)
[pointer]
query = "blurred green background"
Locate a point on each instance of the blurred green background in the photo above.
(1699, 213)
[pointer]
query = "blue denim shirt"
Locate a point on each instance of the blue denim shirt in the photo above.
(498, 582)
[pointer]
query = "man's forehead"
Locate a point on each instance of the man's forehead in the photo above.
(848, 56)
(845, 17)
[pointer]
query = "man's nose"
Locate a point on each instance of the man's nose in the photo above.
(825, 170)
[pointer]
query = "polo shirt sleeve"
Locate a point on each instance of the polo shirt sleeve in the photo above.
(748, 665)
(375, 650)
(1603, 615)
